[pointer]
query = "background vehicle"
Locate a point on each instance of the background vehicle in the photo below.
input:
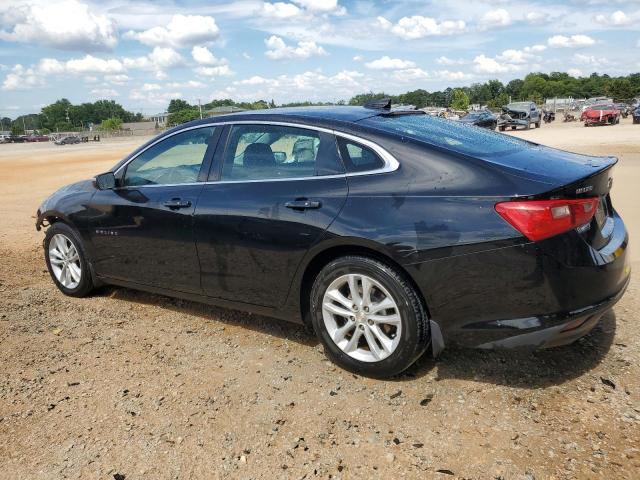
(38, 138)
(69, 140)
(387, 231)
(520, 114)
(601, 115)
(548, 116)
(636, 114)
(484, 119)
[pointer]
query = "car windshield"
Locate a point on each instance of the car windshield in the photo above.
(602, 107)
(449, 135)
(472, 116)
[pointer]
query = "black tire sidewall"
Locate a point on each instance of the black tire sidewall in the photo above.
(412, 343)
(86, 284)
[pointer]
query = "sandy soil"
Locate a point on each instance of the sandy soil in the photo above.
(131, 385)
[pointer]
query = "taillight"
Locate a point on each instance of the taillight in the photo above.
(540, 219)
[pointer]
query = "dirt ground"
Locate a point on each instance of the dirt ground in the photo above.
(131, 385)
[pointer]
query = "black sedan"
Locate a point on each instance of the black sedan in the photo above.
(484, 119)
(388, 231)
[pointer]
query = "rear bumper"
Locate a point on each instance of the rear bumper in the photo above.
(530, 295)
(568, 328)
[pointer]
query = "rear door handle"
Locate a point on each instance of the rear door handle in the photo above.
(177, 203)
(303, 204)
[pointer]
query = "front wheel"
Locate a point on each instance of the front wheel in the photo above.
(67, 261)
(368, 317)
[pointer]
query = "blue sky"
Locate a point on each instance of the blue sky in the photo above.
(142, 53)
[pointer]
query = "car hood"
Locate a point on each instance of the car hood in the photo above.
(599, 113)
(51, 202)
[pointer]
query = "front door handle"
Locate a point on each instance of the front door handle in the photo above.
(303, 204)
(177, 203)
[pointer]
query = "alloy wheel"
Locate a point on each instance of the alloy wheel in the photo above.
(65, 261)
(361, 317)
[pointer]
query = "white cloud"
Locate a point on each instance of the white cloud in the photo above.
(181, 31)
(187, 84)
(280, 10)
(537, 18)
(203, 56)
(616, 19)
(574, 41)
(21, 78)
(495, 18)
(277, 49)
(449, 61)
(357, 58)
(535, 48)
(417, 26)
(219, 71)
(66, 24)
(452, 76)
(104, 92)
(487, 65)
(410, 75)
(388, 63)
(149, 87)
(322, 6)
(154, 98)
(589, 60)
(119, 79)
(310, 85)
(158, 60)
(91, 64)
(575, 72)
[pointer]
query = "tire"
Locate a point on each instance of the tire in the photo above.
(412, 326)
(71, 285)
(501, 128)
(538, 124)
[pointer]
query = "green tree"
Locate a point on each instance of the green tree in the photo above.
(459, 100)
(176, 104)
(110, 125)
(364, 98)
(620, 89)
(183, 116)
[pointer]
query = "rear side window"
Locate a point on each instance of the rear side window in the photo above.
(357, 157)
(270, 152)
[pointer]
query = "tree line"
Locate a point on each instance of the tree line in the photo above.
(64, 116)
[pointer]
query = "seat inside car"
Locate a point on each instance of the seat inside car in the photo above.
(259, 155)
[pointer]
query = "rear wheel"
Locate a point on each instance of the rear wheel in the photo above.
(67, 261)
(368, 317)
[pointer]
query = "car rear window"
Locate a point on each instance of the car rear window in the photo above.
(450, 135)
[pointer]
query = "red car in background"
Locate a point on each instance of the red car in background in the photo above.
(37, 138)
(601, 115)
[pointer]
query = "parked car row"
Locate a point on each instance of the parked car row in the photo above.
(23, 138)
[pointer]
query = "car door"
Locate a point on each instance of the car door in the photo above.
(274, 192)
(142, 230)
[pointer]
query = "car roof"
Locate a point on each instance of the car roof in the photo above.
(319, 116)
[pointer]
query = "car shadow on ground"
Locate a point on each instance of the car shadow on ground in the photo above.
(523, 368)
(515, 368)
(266, 325)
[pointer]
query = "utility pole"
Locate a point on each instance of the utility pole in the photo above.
(24, 127)
(200, 108)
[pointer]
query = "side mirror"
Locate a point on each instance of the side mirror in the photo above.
(105, 181)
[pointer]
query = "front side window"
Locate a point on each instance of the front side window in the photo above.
(175, 160)
(266, 152)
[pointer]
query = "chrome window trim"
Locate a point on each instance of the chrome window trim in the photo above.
(391, 164)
